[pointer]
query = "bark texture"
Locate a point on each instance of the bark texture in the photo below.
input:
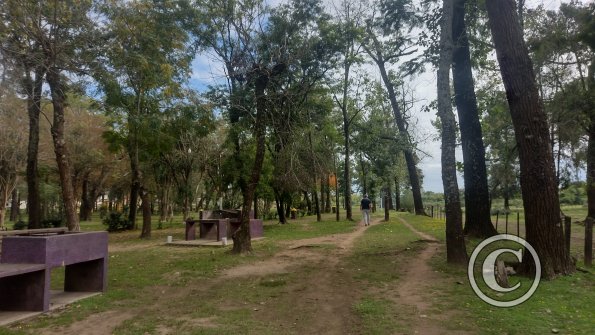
(14, 205)
(61, 150)
(477, 197)
(538, 180)
(146, 207)
(455, 241)
(241, 238)
(346, 134)
(33, 87)
(400, 121)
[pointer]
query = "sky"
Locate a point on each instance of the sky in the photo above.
(206, 70)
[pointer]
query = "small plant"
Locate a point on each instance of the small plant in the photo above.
(103, 211)
(52, 223)
(116, 221)
(20, 225)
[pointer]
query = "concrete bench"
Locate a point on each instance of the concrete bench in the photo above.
(22, 287)
(31, 258)
(221, 223)
(42, 231)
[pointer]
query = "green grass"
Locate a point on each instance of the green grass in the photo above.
(565, 304)
(377, 315)
(307, 228)
(377, 263)
(170, 288)
(139, 269)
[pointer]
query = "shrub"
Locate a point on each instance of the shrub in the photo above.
(103, 211)
(20, 225)
(116, 221)
(52, 223)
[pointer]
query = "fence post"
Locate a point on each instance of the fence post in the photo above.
(497, 215)
(588, 241)
(506, 231)
(432, 209)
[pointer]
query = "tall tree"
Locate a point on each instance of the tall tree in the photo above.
(350, 24)
(538, 184)
(62, 30)
(455, 241)
(477, 196)
(398, 45)
(146, 58)
(12, 147)
(21, 48)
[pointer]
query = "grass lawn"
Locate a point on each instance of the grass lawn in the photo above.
(565, 305)
(158, 289)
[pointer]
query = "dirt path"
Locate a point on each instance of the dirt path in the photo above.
(321, 301)
(320, 294)
(318, 299)
(415, 289)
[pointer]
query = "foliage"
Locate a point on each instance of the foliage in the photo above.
(52, 223)
(117, 221)
(20, 225)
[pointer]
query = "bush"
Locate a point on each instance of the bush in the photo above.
(116, 221)
(20, 225)
(52, 223)
(103, 211)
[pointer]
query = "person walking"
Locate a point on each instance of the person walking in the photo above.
(365, 208)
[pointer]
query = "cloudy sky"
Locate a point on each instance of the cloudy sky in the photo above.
(207, 70)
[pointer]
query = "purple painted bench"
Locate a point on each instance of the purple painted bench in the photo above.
(22, 287)
(26, 263)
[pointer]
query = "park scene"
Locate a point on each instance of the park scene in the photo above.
(297, 167)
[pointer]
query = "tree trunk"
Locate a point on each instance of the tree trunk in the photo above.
(34, 90)
(241, 238)
(477, 196)
(408, 150)
(455, 241)
(163, 201)
(327, 189)
(86, 201)
(322, 194)
(2, 216)
(364, 177)
(591, 145)
(397, 194)
(386, 209)
(590, 167)
(280, 204)
(538, 184)
(389, 195)
(337, 217)
(316, 205)
(5, 191)
(288, 208)
(135, 184)
(256, 213)
(14, 205)
(146, 207)
(61, 150)
(346, 133)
